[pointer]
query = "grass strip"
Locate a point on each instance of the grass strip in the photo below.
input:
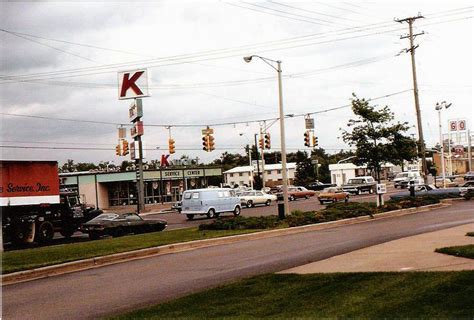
(420, 295)
(466, 251)
(26, 259)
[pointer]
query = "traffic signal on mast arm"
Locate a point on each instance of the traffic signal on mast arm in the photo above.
(125, 149)
(171, 147)
(306, 139)
(267, 141)
(117, 150)
(315, 141)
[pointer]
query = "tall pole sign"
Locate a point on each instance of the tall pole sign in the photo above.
(134, 85)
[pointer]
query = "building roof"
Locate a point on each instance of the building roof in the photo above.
(350, 165)
(289, 165)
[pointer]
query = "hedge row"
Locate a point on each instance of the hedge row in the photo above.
(332, 212)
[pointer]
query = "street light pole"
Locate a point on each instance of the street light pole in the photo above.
(438, 107)
(282, 128)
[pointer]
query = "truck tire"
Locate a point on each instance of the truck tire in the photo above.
(190, 216)
(237, 211)
(44, 232)
(67, 232)
(371, 190)
(23, 233)
(358, 192)
(249, 204)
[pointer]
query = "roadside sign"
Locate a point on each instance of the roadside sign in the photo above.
(459, 151)
(453, 125)
(309, 123)
(207, 131)
(462, 125)
(137, 129)
(381, 188)
(133, 84)
(135, 110)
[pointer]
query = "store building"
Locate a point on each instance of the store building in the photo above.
(342, 172)
(109, 189)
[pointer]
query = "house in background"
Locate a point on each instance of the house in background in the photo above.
(241, 176)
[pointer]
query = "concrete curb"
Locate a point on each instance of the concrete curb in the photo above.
(90, 263)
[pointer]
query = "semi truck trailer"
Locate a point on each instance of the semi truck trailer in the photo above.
(34, 207)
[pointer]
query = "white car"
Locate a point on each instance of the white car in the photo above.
(251, 198)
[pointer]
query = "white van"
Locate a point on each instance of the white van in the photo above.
(211, 202)
(403, 178)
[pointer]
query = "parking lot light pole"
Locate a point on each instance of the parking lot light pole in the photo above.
(270, 62)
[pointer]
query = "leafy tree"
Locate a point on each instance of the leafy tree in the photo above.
(378, 140)
(304, 169)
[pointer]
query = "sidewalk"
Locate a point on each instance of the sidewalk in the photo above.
(414, 253)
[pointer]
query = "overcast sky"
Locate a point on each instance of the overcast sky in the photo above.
(60, 60)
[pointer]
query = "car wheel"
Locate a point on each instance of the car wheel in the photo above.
(190, 216)
(358, 191)
(321, 202)
(268, 202)
(211, 213)
(306, 197)
(292, 198)
(44, 232)
(94, 235)
(249, 204)
(237, 211)
(346, 200)
(334, 200)
(371, 190)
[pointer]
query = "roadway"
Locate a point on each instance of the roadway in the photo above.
(122, 287)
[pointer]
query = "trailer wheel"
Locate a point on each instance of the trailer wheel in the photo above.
(44, 232)
(67, 232)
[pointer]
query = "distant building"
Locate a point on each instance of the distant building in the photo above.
(453, 165)
(273, 176)
(342, 172)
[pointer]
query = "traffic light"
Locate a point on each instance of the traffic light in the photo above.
(125, 150)
(205, 143)
(267, 141)
(117, 150)
(306, 139)
(315, 141)
(261, 143)
(210, 143)
(171, 147)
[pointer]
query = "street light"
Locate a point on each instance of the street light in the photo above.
(282, 127)
(439, 107)
(250, 158)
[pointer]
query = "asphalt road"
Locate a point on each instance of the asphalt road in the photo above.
(121, 287)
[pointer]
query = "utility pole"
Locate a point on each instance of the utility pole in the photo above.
(469, 149)
(412, 49)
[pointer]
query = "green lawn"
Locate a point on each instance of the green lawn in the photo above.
(45, 256)
(420, 295)
(466, 251)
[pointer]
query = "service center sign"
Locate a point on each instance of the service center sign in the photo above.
(133, 84)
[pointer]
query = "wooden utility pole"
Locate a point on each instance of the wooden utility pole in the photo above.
(411, 36)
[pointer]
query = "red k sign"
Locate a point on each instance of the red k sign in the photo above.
(133, 84)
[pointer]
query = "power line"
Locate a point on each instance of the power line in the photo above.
(203, 124)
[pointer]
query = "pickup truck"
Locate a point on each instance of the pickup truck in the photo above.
(318, 185)
(359, 185)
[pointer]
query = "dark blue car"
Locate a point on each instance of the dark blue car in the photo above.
(428, 190)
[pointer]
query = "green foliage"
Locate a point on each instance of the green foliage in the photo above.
(368, 295)
(466, 251)
(305, 172)
(378, 140)
(240, 223)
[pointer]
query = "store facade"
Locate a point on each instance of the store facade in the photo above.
(109, 189)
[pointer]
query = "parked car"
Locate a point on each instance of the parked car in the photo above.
(318, 185)
(252, 198)
(402, 178)
(469, 176)
(417, 181)
(360, 184)
(468, 184)
(333, 194)
(299, 192)
(427, 190)
(210, 202)
(449, 183)
(118, 224)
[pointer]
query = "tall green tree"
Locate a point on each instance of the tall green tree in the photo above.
(377, 138)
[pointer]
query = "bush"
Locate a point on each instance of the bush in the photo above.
(239, 223)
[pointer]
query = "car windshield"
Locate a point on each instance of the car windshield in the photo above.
(356, 181)
(401, 175)
(329, 190)
(106, 216)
